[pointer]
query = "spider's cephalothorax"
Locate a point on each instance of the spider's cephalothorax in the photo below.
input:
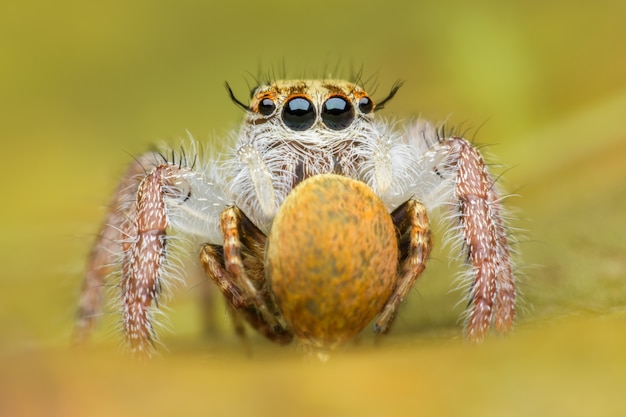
(296, 129)
(317, 224)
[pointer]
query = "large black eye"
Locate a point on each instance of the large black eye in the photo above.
(267, 106)
(365, 105)
(298, 113)
(337, 113)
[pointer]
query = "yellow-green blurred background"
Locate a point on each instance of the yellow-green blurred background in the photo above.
(84, 85)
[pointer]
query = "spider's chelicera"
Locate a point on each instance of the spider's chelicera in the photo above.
(314, 226)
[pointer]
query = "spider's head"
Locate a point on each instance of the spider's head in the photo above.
(317, 105)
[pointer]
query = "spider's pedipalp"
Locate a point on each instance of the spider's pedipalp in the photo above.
(259, 174)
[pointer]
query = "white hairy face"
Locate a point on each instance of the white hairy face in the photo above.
(296, 129)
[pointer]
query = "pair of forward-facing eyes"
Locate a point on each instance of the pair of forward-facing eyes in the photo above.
(299, 113)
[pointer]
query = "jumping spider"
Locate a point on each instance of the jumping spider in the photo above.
(350, 243)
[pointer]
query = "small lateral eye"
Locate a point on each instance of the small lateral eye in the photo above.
(298, 113)
(267, 106)
(366, 105)
(337, 113)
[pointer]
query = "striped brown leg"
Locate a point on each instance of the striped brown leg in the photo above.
(492, 296)
(107, 250)
(228, 267)
(412, 217)
(143, 250)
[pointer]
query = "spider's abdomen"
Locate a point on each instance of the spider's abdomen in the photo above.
(331, 259)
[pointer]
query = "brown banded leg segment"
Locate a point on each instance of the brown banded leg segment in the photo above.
(230, 222)
(504, 312)
(143, 255)
(411, 216)
(484, 233)
(106, 251)
(251, 237)
(212, 259)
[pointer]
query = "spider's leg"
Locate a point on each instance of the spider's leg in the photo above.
(484, 234)
(105, 253)
(409, 216)
(143, 255)
(238, 324)
(250, 307)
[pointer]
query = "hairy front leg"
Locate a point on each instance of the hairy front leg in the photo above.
(492, 295)
(143, 256)
(106, 251)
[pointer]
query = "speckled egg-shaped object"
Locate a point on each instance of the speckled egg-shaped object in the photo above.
(331, 259)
